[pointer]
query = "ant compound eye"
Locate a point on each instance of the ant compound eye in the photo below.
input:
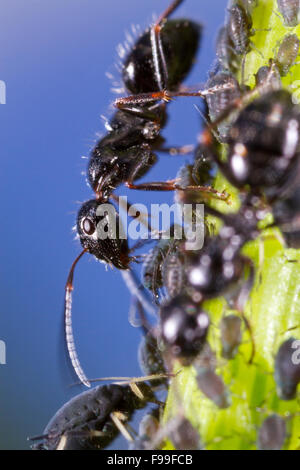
(88, 226)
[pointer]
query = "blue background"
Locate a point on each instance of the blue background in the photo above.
(53, 59)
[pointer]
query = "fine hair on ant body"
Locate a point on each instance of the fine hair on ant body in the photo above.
(153, 71)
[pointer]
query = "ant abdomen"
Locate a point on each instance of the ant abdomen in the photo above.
(184, 327)
(216, 268)
(286, 215)
(264, 144)
(179, 40)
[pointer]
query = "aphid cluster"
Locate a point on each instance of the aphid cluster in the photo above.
(261, 130)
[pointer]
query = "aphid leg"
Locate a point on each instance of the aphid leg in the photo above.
(118, 418)
(143, 321)
(62, 442)
(138, 290)
(68, 325)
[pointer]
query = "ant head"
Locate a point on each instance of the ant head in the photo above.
(184, 327)
(98, 227)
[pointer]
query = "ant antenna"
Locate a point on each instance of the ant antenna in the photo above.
(68, 325)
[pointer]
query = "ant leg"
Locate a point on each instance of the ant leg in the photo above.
(159, 60)
(128, 103)
(172, 185)
(127, 206)
(169, 10)
(184, 150)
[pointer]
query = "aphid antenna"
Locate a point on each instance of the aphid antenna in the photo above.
(214, 133)
(133, 380)
(138, 290)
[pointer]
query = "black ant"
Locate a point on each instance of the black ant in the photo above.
(262, 159)
(153, 71)
(263, 145)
